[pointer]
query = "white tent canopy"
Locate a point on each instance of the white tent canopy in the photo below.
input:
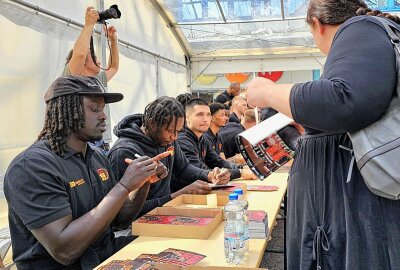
(33, 50)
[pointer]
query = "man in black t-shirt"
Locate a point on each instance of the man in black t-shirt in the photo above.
(62, 195)
(228, 95)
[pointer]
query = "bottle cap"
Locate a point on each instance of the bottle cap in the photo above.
(238, 191)
(233, 196)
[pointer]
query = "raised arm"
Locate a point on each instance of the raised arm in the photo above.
(82, 44)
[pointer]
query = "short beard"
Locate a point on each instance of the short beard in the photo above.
(94, 138)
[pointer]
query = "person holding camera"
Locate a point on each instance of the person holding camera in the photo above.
(79, 60)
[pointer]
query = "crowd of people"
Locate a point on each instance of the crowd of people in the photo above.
(67, 198)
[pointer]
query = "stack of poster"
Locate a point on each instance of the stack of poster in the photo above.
(262, 147)
(147, 261)
(174, 220)
(258, 223)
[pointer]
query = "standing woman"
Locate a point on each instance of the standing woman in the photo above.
(333, 224)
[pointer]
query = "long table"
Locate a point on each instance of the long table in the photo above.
(213, 246)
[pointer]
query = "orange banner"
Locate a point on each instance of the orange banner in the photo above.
(237, 77)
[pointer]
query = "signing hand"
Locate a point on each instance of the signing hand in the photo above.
(198, 187)
(138, 172)
(223, 177)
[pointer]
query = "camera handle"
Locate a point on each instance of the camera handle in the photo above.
(92, 50)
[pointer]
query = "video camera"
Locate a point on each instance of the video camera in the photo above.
(111, 13)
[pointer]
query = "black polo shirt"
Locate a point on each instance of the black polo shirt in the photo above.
(234, 118)
(224, 97)
(214, 140)
(228, 134)
(42, 187)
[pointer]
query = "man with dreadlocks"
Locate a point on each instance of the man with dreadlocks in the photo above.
(150, 134)
(63, 198)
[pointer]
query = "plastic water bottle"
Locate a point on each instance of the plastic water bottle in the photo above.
(234, 230)
(242, 199)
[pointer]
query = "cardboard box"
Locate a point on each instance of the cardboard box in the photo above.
(179, 231)
(197, 201)
(161, 266)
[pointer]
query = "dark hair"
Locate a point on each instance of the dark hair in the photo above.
(336, 12)
(371, 12)
(333, 11)
(162, 111)
(215, 107)
(226, 107)
(184, 98)
(64, 115)
(195, 101)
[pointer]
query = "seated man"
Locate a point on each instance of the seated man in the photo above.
(197, 149)
(63, 198)
(218, 120)
(239, 106)
(230, 131)
(151, 133)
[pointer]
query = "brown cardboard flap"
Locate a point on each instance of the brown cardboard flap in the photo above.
(197, 201)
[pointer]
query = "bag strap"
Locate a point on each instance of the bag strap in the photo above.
(351, 166)
(392, 30)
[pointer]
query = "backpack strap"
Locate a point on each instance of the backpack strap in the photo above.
(392, 30)
(351, 166)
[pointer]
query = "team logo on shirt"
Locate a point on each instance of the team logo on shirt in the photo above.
(103, 173)
(78, 182)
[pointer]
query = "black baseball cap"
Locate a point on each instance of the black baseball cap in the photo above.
(81, 85)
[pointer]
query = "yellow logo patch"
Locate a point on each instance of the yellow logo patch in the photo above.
(103, 173)
(78, 182)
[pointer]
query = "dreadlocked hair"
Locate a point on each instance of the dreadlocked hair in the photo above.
(378, 13)
(162, 111)
(184, 99)
(64, 115)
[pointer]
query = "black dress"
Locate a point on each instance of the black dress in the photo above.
(333, 224)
